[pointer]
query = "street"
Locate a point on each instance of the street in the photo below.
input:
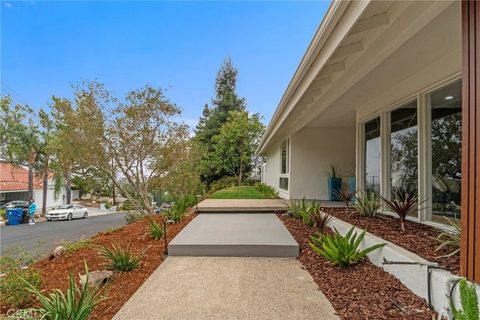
(43, 237)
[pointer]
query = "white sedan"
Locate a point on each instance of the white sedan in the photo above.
(67, 212)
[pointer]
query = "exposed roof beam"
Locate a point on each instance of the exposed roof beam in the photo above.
(348, 49)
(370, 22)
(332, 68)
(318, 83)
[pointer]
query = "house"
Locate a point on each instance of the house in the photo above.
(388, 92)
(14, 186)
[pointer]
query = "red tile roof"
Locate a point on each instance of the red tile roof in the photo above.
(15, 178)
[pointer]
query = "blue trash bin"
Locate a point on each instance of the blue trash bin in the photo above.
(14, 216)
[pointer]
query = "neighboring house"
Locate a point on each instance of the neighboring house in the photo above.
(379, 94)
(14, 186)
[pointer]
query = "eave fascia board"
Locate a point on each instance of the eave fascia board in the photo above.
(333, 14)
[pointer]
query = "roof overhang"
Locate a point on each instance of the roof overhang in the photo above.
(351, 40)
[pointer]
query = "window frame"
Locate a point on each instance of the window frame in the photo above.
(424, 145)
(285, 174)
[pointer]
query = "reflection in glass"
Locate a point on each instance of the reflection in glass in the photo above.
(446, 104)
(404, 150)
(372, 155)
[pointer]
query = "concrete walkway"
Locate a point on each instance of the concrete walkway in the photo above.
(228, 288)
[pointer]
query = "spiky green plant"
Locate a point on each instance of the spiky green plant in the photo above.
(469, 302)
(296, 208)
(155, 230)
(403, 205)
(341, 250)
(120, 259)
(76, 304)
(367, 204)
(345, 195)
(450, 238)
(319, 219)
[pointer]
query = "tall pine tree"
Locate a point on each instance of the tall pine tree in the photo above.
(226, 100)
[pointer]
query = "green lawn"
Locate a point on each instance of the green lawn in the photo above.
(242, 192)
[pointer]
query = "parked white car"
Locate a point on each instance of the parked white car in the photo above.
(67, 212)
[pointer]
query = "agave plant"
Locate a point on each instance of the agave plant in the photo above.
(319, 219)
(341, 250)
(403, 204)
(450, 238)
(367, 204)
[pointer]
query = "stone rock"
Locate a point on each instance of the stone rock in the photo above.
(97, 278)
(58, 251)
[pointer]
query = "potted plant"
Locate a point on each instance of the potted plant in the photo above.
(334, 183)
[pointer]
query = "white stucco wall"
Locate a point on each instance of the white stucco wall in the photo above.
(313, 150)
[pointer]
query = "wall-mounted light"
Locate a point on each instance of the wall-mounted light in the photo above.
(449, 97)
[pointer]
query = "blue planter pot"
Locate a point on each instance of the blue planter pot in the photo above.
(352, 185)
(334, 187)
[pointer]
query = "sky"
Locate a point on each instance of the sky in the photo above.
(178, 46)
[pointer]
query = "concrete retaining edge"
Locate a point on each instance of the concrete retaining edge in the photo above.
(414, 277)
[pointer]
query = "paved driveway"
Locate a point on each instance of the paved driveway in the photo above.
(43, 237)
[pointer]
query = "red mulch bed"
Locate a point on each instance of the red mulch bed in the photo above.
(55, 271)
(417, 238)
(362, 291)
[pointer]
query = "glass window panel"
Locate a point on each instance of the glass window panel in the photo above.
(284, 152)
(283, 184)
(446, 120)
(372, 155)
(404, 150)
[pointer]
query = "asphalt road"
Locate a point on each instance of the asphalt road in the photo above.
(43, 237)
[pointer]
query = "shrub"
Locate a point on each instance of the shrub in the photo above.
(133, 216)
(403, 205)
(16, 293)
(345, 195)
(367, 204)
(319, 219)
(297, 208)
(266, 190)
(155, 229)
(469, 302)
(183, 203)
(223, 183)
(120, 259)
(76, 304)
(450, 238)
(3, 214)
(127, 205)
(108, 205)
(173, 214)
(341, 250)
(74, 246)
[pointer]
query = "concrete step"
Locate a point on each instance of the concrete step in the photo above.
(234, 235)
(241, 206)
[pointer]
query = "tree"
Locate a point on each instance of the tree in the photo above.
(19, 141)
(234, 146)
(225, 101)
(139, 134)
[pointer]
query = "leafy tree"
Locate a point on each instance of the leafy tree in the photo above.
(226, 100)
(19, 138)
(234, 146)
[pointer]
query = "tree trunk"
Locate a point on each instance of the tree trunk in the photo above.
(68, 177)
(45, 192)
(240, 174)
(30, 181)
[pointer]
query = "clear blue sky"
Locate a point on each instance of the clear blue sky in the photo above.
(46, 46)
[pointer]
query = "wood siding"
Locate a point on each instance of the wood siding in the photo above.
(470, 251)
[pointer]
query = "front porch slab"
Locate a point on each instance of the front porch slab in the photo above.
(234, 235)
